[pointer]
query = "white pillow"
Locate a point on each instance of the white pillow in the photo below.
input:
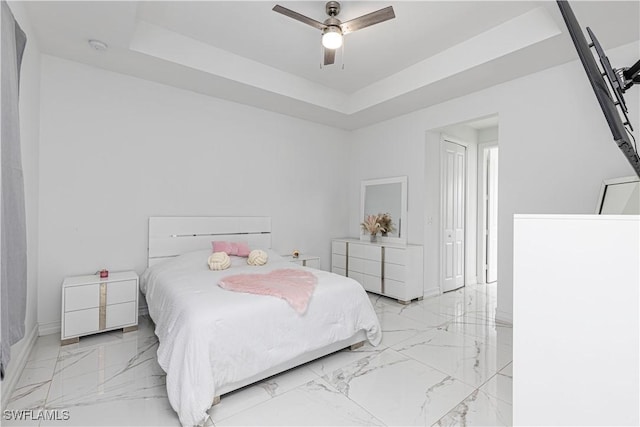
(219, 261)
(257, 257)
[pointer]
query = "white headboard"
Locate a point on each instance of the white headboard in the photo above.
(173, 236)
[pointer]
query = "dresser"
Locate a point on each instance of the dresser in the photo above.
(91, 304)
(391, 270)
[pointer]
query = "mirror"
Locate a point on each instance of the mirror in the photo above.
(386, 195)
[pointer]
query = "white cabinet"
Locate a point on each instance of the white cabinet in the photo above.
(392, 270)
(305, 260)
(576, 301)
(91, 304)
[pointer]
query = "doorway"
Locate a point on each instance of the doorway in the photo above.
(454, 169)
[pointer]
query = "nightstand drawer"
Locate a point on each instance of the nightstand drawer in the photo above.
(81, 322)
(81, 297)
(91, 304)
(118, 292)
(121, 314)
(312, 263)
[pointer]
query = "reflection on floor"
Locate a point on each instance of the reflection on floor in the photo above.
(443, 361)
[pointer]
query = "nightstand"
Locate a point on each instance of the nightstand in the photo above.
(304, 260)
(91, 305)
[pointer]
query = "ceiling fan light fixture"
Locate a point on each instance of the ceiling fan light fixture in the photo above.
(332, 37)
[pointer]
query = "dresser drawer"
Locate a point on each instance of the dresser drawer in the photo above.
(339, 248)
(395, 289)
(365, 266)
(338, 270)
(339, 261)
(373, 253)
(369, 283)
(395, 272)
(395, 256)
(121, 314)
(81, 297)
(81, 322)
(125, 291)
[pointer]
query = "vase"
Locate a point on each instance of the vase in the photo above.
(373, 238)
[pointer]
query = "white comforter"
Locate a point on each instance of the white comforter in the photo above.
(210, 337)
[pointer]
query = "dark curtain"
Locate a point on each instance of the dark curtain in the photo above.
(13, 250)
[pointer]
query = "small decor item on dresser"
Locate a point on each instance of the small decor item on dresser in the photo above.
(104, 273)
(295, 253)
(371, 225)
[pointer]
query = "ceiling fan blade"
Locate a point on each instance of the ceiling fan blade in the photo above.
(368, 20)
(329, 56)
(299, 17)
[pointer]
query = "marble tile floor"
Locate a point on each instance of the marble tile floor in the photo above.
(442, 361)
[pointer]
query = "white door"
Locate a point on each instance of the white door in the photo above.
(492, 215)
(454, 165)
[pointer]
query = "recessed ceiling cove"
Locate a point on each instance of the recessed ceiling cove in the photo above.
(244, 52)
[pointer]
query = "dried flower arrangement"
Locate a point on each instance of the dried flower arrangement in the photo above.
(386, 224)
(371, 224)
(382, 223)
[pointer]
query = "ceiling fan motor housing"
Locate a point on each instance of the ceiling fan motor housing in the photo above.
(332, 8)
(332, 22)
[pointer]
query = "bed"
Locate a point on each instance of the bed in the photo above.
(213, 341)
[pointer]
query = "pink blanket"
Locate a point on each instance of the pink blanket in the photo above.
(292, 285)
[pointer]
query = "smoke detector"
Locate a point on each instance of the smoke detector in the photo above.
(98, 45)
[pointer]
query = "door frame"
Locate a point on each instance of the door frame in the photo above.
(446, 138)
(482, 210)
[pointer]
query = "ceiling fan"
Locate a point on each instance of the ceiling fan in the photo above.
(333, 29)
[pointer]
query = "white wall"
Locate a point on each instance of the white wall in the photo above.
(488, 135)
(555, 149)
(115, 150)
(29, 130)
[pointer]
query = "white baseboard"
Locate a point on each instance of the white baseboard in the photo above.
(49, 328)
(431, 292)
(16, 366)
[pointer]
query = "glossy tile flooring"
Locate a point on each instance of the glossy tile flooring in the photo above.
(442, 361)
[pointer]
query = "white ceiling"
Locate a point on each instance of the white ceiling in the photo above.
(244, 52)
